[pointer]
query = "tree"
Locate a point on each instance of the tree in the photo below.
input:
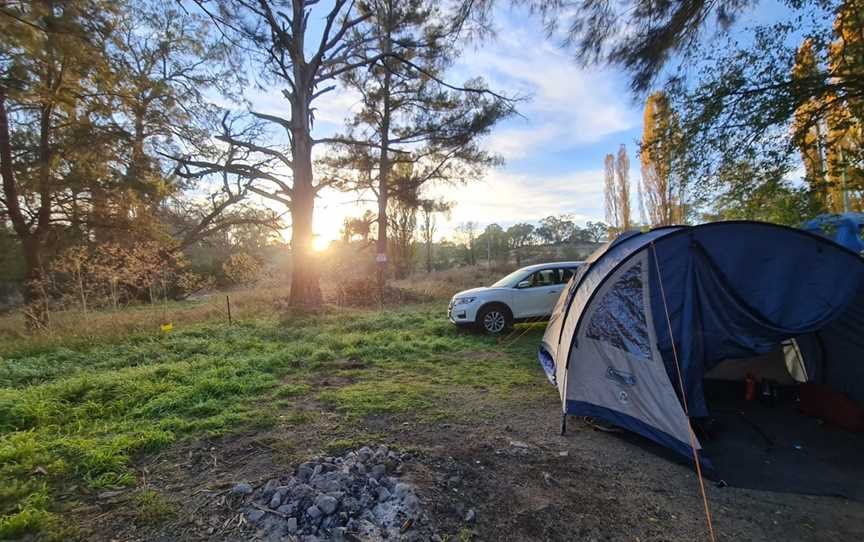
(51, 57)
(762, 101)
(662, 191)
(610, 194)
(622, 183)
(519, 236)
(640, 36)
(556, 229)
(409, 115)
(810, 135)
(597, 231)
(307, 67)
(429, 210)
(358, 226)
(467, 232)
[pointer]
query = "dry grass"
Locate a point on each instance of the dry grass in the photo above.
(443, 284)
(269, 301)
(73, 325)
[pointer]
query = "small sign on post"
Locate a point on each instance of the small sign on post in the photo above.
(381, 257)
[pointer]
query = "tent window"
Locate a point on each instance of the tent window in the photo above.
(619, 317)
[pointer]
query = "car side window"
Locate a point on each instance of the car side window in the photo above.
(544, 277)
(565, 275)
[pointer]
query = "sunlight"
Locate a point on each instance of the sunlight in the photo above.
(320, 244)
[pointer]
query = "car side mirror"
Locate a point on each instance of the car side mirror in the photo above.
(524, 284)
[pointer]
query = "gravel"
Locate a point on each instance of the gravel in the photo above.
(359, 495)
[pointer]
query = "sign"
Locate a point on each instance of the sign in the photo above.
(381, 258)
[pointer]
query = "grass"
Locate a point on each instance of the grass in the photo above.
(80, 412)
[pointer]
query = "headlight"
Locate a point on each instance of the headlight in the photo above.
(464, 300)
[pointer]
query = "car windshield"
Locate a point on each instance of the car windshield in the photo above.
(510, 280)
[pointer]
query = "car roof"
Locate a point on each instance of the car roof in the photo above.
(539, 266)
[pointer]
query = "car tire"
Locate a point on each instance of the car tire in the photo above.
(494, 319)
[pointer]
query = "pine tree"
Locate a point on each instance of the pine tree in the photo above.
(409, 114)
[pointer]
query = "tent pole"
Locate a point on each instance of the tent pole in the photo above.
(563, 423)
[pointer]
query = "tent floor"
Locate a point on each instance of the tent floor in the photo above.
(775, 448)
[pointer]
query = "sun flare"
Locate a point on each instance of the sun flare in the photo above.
(320, 244)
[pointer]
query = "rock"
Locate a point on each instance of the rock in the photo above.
(518, 444)
(454, 480)
(313, 512)
(471, 516)
(276, 500)
(401, 490)
(269, 488)
(254, 515)
(242, 488)
(411, 503)
(563, 454)
(291, 525)
(326, 504)
(364, 453)
(383, 493)
(304, 472)
(286, 509)
(378, 471)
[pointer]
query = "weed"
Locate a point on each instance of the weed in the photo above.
(152, 507)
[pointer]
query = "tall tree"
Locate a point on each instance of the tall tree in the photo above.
(306, 66)
(519, 236)
(622, 183)
(662, 190)
(51, 60)
(467, 232)
(429, 210)
(610, 194)
(808, 128)
(409, 114)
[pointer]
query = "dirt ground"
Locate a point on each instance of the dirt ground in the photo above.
(502, 458)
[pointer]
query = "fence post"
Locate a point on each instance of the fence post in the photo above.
(228, 303)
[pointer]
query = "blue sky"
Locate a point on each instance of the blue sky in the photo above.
(553, 152)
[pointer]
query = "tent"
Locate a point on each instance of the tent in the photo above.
(845, 229)
(701, 295)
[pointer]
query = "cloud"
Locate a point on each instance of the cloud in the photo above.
(507, 198)
(569, 105)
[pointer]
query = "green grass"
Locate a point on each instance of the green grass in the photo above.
(81, 413)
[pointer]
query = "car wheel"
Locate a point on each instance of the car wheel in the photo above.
(494, 319)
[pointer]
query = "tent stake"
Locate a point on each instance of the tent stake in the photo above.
(563, 423)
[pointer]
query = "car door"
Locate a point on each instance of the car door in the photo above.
(539, 297)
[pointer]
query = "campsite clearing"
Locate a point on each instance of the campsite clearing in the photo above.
(142, 438)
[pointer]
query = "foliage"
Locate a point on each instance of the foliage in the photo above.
(242, 269)
(755, 105)
(662, 190)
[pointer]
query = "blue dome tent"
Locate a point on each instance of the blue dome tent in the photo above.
(845, 229)
(639, 327)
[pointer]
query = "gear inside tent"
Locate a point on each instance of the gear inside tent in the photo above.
(751, 334)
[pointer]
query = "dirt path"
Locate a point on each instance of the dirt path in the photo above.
(501, 459)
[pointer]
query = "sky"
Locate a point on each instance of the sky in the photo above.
(553, 151)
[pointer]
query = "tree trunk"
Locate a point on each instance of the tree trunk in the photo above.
(305, 289)
(384, 173)
(31, 241)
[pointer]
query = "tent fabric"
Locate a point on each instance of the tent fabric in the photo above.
(844, 229)
(726, 290)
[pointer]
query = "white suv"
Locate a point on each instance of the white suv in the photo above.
(527, 294)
